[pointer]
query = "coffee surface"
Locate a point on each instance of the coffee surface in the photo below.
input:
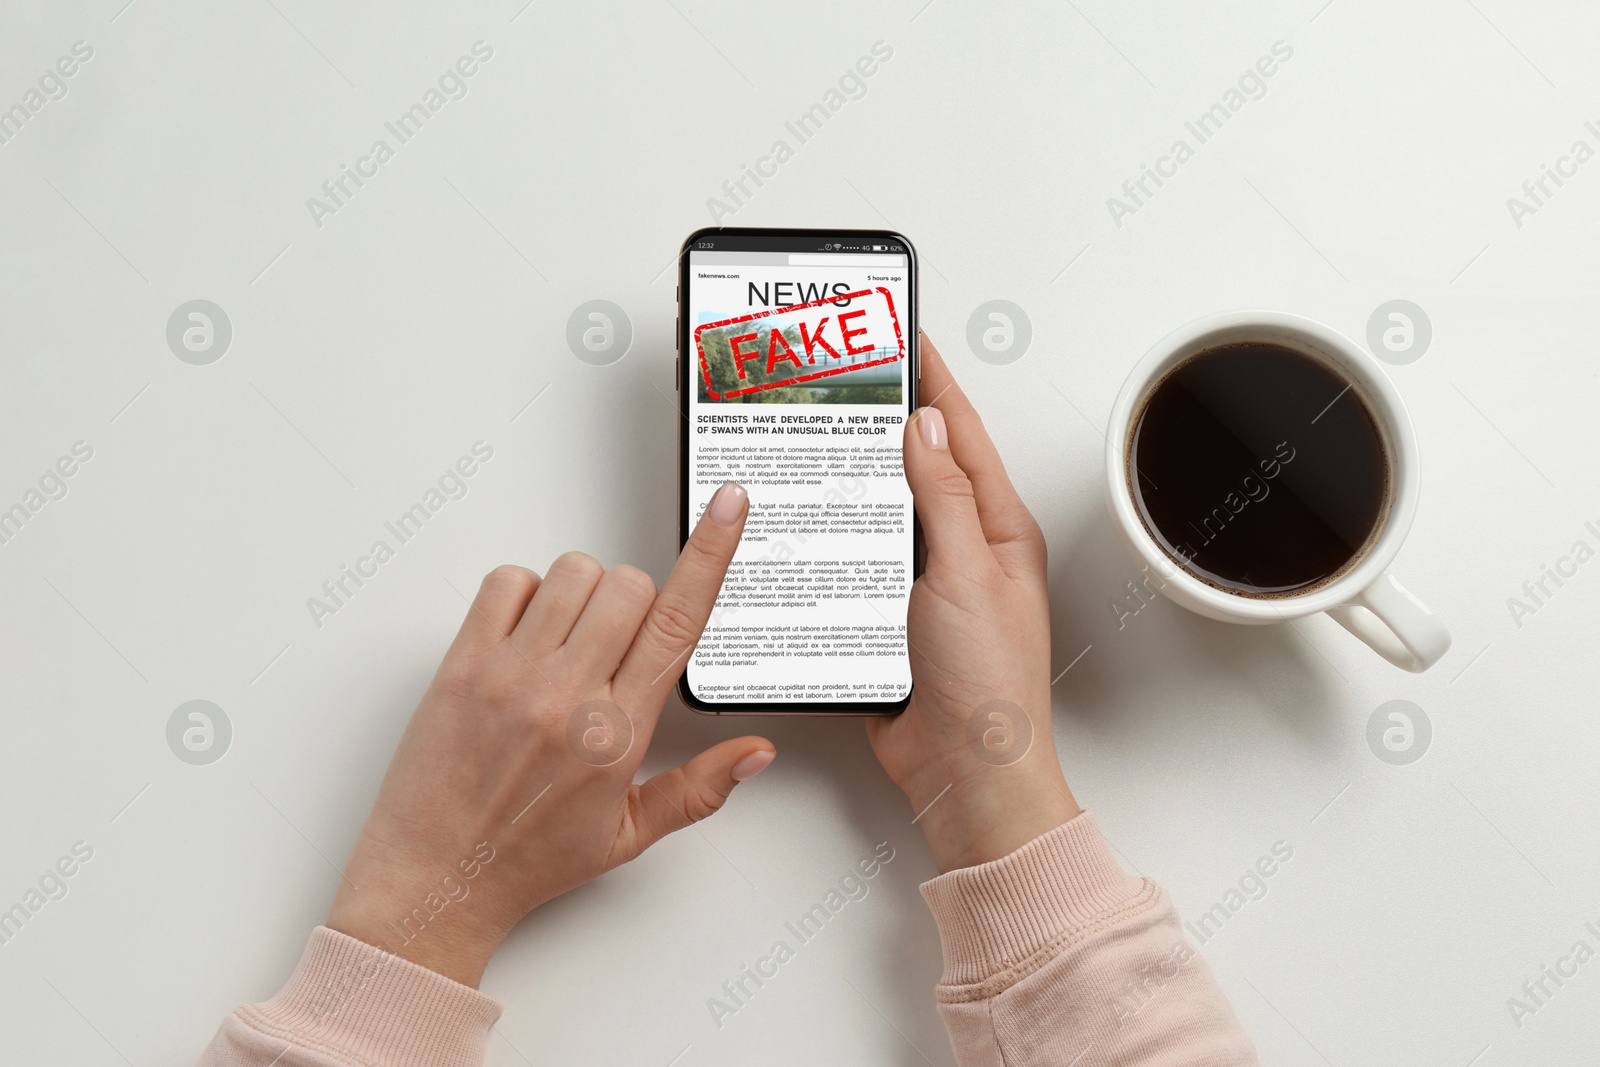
(1258, 469)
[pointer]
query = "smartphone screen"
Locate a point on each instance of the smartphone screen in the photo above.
(797, 372)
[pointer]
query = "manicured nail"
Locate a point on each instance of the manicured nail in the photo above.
(930, 421)
(727, 504)
(753, 764)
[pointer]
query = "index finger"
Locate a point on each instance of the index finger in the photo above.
(675, 621)
(1004, 517)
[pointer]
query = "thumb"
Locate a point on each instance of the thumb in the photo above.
(943, 492)
(684, 795)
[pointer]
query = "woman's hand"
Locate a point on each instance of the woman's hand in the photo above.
(974, 751)
(514, 780)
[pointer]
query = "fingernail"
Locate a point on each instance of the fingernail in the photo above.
(727, 503)
(930, 423)
(753, 764)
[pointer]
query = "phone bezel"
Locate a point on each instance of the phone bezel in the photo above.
(683, 380)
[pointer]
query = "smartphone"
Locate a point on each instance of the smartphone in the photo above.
(796, 373)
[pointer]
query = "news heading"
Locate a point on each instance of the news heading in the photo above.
(773, 335)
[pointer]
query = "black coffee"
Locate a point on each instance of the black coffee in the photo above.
(1258, 469)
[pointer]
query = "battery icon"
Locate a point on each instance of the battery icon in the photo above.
(880, 248)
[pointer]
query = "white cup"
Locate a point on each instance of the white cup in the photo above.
(1366, 599)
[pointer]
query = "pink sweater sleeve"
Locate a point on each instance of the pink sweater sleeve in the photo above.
(350, 1004)
(1054, 954)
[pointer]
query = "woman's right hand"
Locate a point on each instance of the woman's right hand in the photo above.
(974, 752)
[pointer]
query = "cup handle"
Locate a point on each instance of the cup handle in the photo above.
(1397, 625)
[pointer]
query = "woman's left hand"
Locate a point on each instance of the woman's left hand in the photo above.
(514, 782)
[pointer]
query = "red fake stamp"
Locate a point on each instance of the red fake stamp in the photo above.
(805, 342)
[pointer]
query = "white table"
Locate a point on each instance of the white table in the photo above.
(429, 310)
